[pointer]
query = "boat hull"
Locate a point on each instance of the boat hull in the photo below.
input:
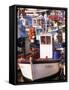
(38, 71)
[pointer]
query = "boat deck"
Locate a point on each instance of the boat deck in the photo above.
(40, 60)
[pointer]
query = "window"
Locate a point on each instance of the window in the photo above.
(48, 39)
(45, 39)
(42, 39)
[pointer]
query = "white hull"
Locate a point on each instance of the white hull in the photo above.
(38, 71)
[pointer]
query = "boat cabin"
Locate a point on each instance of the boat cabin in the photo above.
(46, 46)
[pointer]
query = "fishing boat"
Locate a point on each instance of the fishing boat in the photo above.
(45, 65)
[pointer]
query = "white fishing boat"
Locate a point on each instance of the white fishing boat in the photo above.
(43, 67)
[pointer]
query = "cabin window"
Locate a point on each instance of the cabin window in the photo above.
(42, 39)
(45, 40)
(48, 40)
